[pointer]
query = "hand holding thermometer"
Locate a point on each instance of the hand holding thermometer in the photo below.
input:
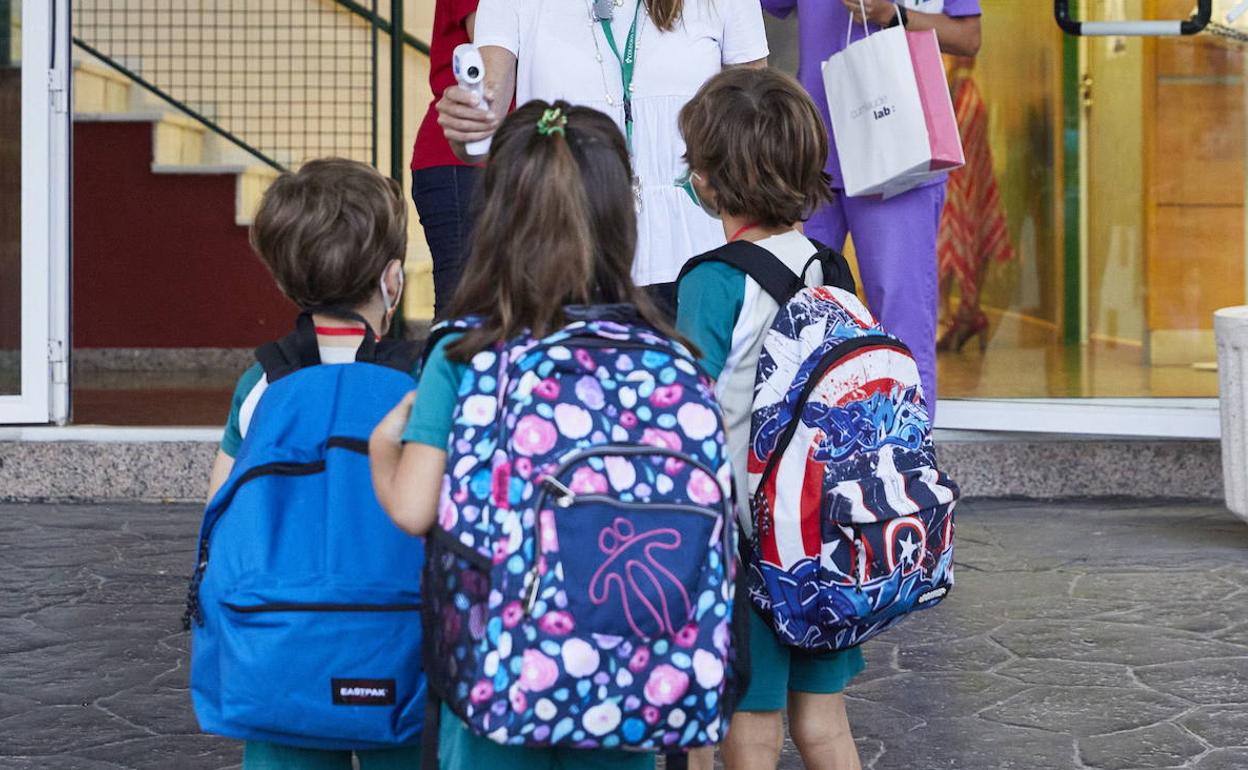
(470, 72)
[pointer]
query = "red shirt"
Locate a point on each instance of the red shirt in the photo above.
(449, 30)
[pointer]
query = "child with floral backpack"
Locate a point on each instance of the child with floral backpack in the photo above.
(564, 455)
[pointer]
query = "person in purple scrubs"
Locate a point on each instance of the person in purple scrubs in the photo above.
(895, 239)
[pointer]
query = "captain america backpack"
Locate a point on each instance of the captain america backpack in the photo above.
(853, 521)
(580, 578)
(304, 606)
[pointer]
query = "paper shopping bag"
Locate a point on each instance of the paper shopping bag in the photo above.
(944, 140)
(876, 113)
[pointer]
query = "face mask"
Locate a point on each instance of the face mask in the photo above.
(685, 182)
(391, 303)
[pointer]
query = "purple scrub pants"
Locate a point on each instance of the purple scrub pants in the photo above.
(895, 241)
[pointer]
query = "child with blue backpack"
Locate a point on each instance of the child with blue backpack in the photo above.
(300, 647)
(564, 457)
(756, 148)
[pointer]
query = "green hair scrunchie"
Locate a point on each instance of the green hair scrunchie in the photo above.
(553, 122)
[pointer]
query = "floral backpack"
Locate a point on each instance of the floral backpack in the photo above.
(579, 583)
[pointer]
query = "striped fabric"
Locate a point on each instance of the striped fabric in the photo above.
(973, 229)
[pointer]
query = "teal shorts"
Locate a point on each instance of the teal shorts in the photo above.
(776, 669)
(258, 755)
(461, 749)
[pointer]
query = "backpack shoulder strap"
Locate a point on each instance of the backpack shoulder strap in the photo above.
(758, 263)
(836, 270)
(274, 359)
(291, 353)
(444, 329)
(300, 349)
(397, 354)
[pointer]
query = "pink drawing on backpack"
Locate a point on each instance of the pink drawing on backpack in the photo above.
(632, 567)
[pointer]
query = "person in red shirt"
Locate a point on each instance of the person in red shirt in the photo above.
(442, 184)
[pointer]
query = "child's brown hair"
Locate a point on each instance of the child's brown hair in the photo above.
(557, 226)
(327, 232)
(756, 139)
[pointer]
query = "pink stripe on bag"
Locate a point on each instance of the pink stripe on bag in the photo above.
(942, 123)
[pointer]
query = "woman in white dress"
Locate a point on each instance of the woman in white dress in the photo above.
(636, 60)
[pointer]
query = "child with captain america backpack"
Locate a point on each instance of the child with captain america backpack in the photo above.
(304, 602)
(564, 458)
(847, 522)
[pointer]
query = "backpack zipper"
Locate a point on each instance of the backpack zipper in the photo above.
(834, 356)
(320, 607)
(194, 614)
(606, 343)
(567, 498)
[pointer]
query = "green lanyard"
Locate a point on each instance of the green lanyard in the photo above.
(628, 63)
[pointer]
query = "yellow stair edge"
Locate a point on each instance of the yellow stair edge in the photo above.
(99, 88)
(252, 185)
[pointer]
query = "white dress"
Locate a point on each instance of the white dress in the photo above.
(553, 41)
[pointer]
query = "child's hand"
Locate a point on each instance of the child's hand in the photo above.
(390, 429)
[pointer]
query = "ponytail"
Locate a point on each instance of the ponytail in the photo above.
(665, 13)
(533, 248)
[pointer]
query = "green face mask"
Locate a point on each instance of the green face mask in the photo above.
(685, 182)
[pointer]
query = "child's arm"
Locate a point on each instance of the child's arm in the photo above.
(221, 468)
(232, 436)
(406, 477)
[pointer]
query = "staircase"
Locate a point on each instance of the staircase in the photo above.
(161, 210)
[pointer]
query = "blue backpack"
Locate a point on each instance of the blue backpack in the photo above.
(304, 605)
(580, 578)
(853, 522)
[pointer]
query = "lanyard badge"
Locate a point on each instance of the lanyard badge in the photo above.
(603, 10)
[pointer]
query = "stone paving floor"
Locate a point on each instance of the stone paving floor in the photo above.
(1107, 635)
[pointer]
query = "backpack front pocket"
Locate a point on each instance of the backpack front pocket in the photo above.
(625, 536)
(632, 569)
(285, 669)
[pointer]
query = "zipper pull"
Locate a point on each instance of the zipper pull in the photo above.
(530, 601)
(566, 497)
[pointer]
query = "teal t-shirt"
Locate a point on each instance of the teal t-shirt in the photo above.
(708, 305)
(436, 396)
(232, 439)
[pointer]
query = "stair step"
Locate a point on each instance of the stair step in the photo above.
(253, 181)
(99, 88)
(140, 116)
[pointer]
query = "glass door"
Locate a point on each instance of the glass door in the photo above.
(34, 210)
(1122, 173)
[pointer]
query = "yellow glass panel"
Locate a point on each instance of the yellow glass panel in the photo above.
(1159, 209)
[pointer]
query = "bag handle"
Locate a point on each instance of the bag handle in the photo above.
(866, 32)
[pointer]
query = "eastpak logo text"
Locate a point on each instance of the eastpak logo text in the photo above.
(363, 692)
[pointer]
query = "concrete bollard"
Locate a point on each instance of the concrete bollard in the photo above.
(1231, 329)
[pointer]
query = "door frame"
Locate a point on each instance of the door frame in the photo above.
(45, 201)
